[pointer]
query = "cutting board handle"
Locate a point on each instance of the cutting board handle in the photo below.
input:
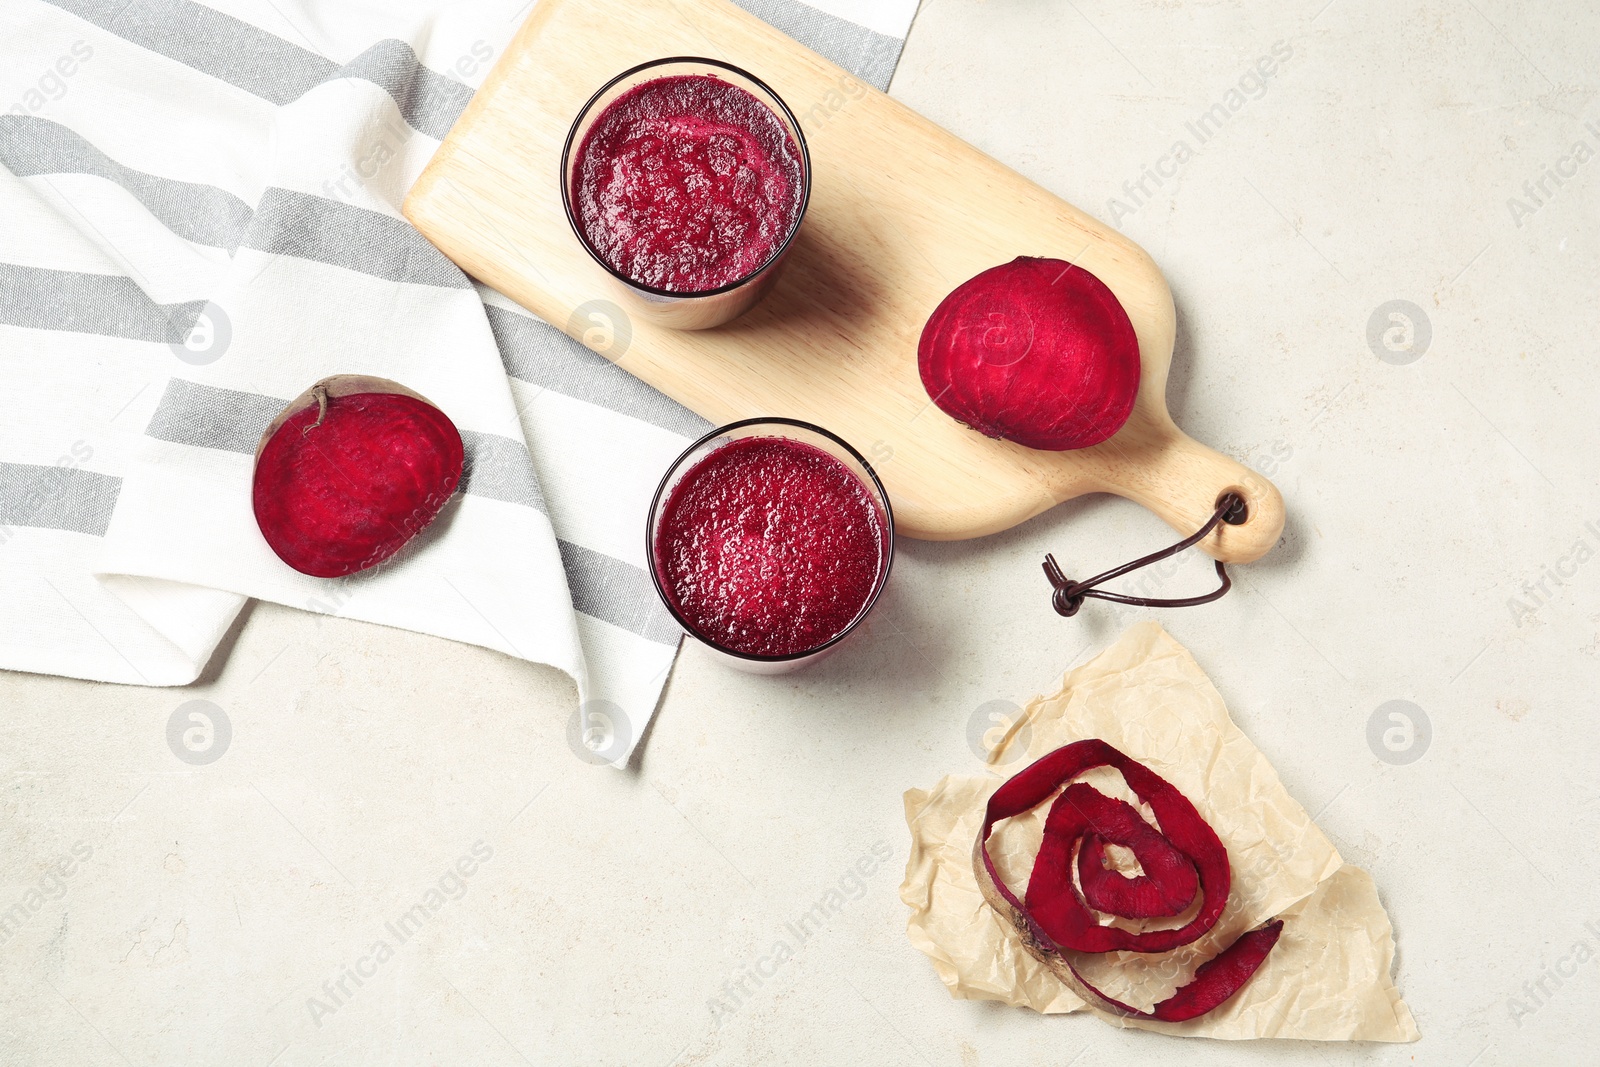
(1181, 480)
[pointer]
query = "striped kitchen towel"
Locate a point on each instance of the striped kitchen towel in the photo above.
(199, 217)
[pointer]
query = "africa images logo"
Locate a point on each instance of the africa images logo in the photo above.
(1251, 85)
(450, 885)
(850, 886)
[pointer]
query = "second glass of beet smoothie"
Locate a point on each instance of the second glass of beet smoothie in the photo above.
(686, 179)
(769, 541)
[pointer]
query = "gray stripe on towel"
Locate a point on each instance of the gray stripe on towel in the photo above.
(265, 65)
(203, 214)
(869, 55)
(285, 222)
(56, 498)
(535, 352)
(311, 227)
(500, 469)
(107, 304)
(208, 417)
(613, 591)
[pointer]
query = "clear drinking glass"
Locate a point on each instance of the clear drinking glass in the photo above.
(713, 307)
(794, 430)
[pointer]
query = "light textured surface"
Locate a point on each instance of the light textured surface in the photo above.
(364, 762)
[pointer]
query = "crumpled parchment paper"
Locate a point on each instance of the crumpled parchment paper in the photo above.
(1328, 977)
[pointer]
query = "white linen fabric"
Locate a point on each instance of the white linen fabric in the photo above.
(199, 217)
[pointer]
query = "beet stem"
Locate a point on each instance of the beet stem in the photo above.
(321, 393)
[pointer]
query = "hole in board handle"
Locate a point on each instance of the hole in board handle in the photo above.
(1239, 513)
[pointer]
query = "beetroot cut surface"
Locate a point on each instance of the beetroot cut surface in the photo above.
(1036, 351)
(1181, 860)
(350, 471)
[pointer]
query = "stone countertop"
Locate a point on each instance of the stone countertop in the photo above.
(1384, 256)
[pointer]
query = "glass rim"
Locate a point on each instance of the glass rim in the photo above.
(583, 239)
(770, 420)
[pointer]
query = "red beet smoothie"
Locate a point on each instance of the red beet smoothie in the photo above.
(770, 547)
(687, 183)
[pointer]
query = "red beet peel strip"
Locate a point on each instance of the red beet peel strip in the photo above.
(1166, 891)
(1182, 860)
(350, 471)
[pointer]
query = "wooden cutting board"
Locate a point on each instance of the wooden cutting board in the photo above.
(901, 213)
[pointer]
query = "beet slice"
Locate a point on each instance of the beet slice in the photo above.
(350, 471)
(1182, 861)
(1036, 351)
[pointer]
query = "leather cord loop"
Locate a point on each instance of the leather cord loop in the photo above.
(1069, 595)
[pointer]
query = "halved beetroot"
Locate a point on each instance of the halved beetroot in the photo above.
(351, 470)
(1036, 351)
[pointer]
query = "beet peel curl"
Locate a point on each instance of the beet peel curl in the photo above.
(1183, 863)
(352, 470)
(1035, 351)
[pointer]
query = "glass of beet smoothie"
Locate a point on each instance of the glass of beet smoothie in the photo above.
(770, 540)
(686, 179)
